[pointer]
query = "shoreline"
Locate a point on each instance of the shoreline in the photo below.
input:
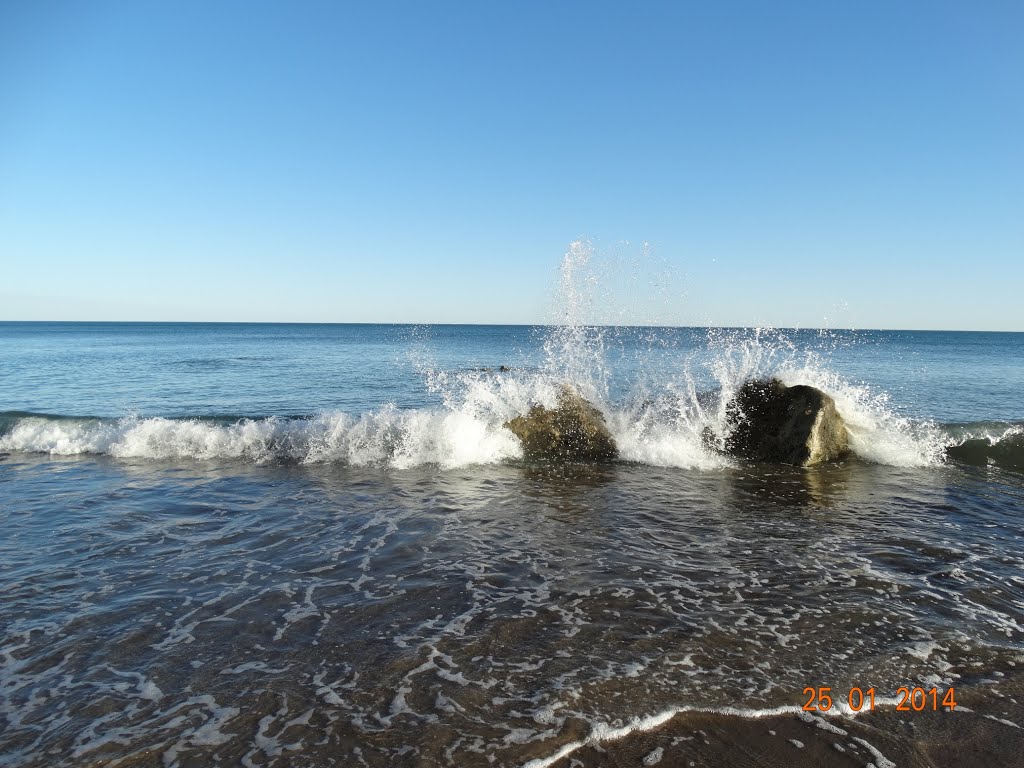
(982, 730)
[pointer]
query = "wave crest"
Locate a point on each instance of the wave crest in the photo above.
(665, 407)
(387, 437)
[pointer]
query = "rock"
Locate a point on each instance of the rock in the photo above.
(787, 425)
(574, 431)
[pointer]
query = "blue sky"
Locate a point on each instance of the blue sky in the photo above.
(789, 164)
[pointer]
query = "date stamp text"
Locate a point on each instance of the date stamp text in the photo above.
(916, 699)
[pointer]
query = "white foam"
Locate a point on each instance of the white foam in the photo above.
(654, 756)
(660, 441)
(669, 425)
(880, 760)
(1002, 721)
(386, 437)
(821, 723)
(603, 732)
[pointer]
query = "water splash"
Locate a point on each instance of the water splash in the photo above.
(663, 392)
(575, 352)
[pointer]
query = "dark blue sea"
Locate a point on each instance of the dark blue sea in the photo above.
(245, 544)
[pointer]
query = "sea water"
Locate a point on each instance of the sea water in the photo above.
(406, 395)
(318, 545)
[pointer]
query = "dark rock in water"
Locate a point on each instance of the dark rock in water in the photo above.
(574, 431)
(499, 369)
(787, 425)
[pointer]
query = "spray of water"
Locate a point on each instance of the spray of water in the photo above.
(575, 352)
(663, 393)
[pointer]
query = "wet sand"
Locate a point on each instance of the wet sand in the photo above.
(981, 731)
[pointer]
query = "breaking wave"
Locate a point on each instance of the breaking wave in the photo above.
(666, 407)
(667, 430)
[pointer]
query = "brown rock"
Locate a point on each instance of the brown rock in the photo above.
(573, 431)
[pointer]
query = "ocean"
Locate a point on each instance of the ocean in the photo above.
(317, 545)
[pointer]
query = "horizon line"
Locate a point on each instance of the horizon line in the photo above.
(505, 325)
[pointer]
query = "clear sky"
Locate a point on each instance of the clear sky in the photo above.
(792, 164)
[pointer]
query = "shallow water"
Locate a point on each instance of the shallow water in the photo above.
(223, 611)
(266, 544)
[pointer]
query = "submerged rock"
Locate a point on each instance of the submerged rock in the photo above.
(573, 431)
(787, 425)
